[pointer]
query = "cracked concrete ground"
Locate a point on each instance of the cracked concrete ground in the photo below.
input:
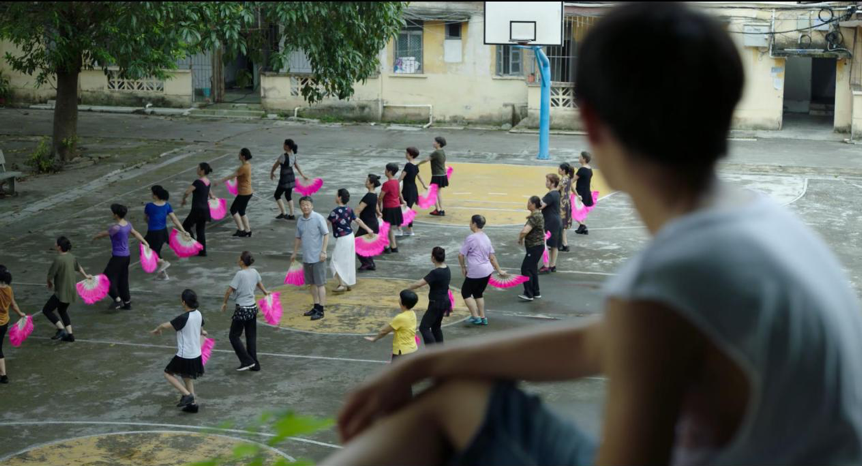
(109, 381)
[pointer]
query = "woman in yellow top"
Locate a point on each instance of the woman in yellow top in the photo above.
(244, 193)
(7, 300)
(404, 326)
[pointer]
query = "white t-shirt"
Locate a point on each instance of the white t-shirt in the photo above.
(769, 293)
(188, 327)
(244, 282)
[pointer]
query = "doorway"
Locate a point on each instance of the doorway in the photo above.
(809, 94)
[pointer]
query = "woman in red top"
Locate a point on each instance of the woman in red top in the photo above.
(391, 200)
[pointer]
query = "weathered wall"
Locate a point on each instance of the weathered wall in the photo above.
(856, 121)
(24, 88)
(843, 96)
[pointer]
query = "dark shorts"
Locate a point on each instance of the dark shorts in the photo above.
(519, 430)
(283, 191)
(315, 274)
(474, 287)
(393, 216)
(239, 204)
(156, 239)
(440, 180)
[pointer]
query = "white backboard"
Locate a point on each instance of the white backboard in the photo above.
(536, 23)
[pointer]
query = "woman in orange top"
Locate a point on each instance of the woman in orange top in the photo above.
(7, 300)
(244, 193)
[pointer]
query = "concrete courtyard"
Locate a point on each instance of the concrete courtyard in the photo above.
(103, 396)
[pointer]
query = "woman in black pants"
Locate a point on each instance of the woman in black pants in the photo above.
(553, 221)
(438, 297)
(117, 269)
(200, 213)
(244, 317)
(532, 236)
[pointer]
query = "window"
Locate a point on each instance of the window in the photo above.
(508, 61)
(408, 49)
(453, 31)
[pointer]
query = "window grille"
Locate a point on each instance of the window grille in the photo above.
(408, 49)
(509, 61)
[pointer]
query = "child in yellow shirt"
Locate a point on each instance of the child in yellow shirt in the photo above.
(404, 326)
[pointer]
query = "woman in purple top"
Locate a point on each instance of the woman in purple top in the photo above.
(117, 270)
(478, 262)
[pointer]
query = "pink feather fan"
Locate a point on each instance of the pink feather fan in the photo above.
(371, 245)
(207, 349)
(218, 208)
(271, 307)
(451, 304)
(427, 201)
(579, 213)
(449, 171)
(546, 258)
(149, 259)
(508, 281)
(408, 214)
(295, 275)
(20, 331)
(93, 289)
(184, 245)
(231, 186)
(308, 189)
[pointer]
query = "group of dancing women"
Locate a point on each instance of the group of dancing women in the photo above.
(550, 217)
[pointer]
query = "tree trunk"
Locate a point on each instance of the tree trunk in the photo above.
(66, 115)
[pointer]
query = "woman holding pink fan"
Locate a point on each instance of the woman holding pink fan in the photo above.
(117, 269)
(368, 214)
(7, 300)
(61, 279)
(438, 281)
(200, 213)
(244, 193)
(245, 313)
(343, 260)
(532, 236)
(409, 190)
(286, 178)
(478, 262)
(390, 202)
(156, 214)
(582, 188)
(188, 364)
(438, 173)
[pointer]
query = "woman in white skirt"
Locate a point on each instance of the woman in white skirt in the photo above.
(344, 257)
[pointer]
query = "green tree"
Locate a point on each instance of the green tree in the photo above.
(58, 40)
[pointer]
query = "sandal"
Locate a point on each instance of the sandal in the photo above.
(341, 289)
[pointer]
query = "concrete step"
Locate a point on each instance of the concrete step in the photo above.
(215, 113)
(237, 106)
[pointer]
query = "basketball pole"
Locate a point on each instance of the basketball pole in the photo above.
(544, 101)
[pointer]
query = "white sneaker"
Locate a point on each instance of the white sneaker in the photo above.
(399, 234)
(410, 234)
(245, 368)
(525, 297)
(165, 265)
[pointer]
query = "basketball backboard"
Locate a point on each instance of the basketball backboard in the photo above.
(533, 23)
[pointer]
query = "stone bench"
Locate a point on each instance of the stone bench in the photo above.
(6, 177)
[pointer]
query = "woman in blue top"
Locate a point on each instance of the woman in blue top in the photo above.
(156, 214)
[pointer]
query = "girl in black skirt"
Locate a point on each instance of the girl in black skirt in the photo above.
(368, 213)
(391, 202)
(438, 297)
(187, 364)
(409, 191)
(200, 213)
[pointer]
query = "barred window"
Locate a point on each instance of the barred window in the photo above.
(408, 49)
(508, 61)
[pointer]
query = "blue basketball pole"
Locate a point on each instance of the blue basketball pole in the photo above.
(545, 104)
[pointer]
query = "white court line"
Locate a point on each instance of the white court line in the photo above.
(156, 424)
(499, 194)
(132, 432)
(804, 191)
(278, 355)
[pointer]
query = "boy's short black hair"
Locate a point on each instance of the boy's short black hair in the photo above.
(119, 210)
(665, 79)
(64, 243)
(409, 299)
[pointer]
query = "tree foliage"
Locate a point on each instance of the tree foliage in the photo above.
(341, 39)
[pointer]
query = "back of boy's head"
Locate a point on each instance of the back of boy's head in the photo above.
(665, 79)
(409, 299)
(64, 244)
(392, 168)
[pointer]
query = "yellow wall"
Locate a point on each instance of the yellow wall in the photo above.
(24, 85)
(843, 96)
(856, 122)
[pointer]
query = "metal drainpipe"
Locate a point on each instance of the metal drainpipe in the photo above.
(430, 111)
